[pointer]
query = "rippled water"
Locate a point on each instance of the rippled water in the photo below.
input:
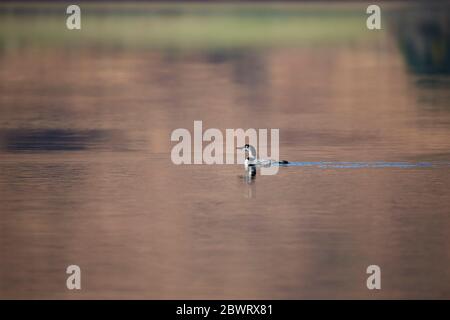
(86, 176)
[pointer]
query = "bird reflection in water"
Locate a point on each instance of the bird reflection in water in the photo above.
(249, 177)
(250, 174)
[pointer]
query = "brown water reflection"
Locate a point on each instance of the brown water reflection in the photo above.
(86, 176)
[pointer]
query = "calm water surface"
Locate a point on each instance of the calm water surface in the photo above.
(86, 176)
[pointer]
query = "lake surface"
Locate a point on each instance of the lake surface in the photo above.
(86, 176)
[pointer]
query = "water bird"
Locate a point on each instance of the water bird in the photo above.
(251, 160)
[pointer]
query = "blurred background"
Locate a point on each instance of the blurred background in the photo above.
(85, 170)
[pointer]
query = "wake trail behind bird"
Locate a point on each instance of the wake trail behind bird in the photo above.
(356, 165)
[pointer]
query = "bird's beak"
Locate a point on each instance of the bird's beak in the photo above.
(240, 148)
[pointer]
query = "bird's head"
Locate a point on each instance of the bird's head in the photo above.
(245, 147)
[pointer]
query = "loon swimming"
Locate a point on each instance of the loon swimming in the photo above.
(252, 160)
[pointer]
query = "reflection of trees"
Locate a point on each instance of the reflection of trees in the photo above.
(423, 36)
(44, 140)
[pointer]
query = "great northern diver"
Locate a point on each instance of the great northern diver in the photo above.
(252, 160)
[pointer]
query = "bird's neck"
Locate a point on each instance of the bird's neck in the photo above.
(252, 153)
